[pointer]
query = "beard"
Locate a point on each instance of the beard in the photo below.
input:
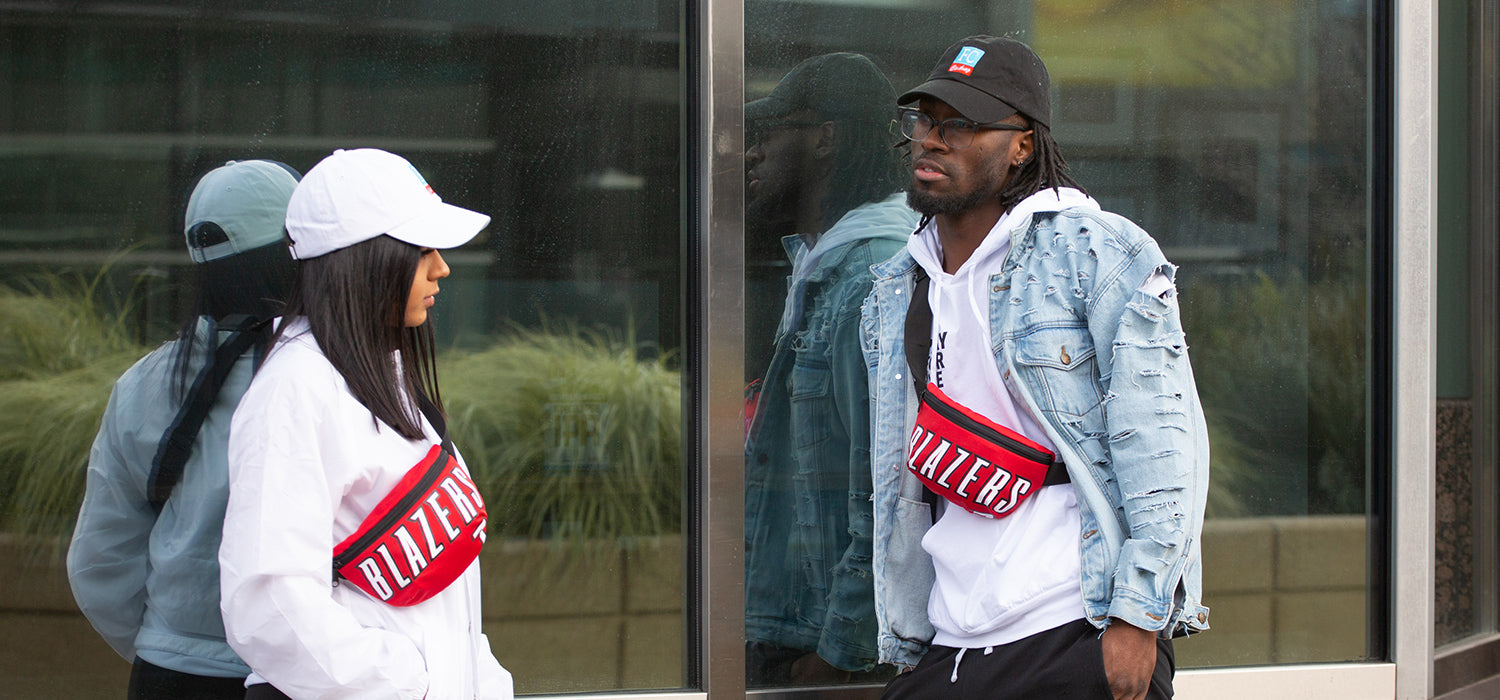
(988, 184)
(929, 204)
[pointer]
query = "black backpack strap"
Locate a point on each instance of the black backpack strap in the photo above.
(177, 442)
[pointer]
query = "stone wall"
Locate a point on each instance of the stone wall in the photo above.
(610, 615)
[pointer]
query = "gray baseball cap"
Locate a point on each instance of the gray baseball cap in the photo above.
(238, 206)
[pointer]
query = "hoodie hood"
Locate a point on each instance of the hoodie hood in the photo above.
(889, 218)
(925, 247)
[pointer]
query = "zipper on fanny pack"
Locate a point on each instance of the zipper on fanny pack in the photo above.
(394, 514)
(1034, 454)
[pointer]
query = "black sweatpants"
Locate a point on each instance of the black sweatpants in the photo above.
(151, 682)
(1063, 662)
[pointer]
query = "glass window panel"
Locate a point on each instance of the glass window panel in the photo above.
(1238, 136)
(1468, 92)
(560, 331)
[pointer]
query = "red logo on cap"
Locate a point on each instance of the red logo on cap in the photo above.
(961, 68)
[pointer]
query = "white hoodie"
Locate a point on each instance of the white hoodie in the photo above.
(998, 580)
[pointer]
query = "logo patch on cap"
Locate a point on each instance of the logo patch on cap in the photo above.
(422, 179)
(966, 59)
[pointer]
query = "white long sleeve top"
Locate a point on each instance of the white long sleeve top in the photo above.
(307, 463)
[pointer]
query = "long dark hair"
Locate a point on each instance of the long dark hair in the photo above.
(354, 300)
(253, 284)
(1045, 169)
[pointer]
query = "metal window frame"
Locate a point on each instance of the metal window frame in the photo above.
(1407, 216)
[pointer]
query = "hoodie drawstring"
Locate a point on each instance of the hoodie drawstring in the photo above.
(959, 658)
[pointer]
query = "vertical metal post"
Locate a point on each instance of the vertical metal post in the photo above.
(1414, 383)
(720, 263)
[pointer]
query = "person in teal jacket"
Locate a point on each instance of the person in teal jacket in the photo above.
(821, 164)
(143, 563)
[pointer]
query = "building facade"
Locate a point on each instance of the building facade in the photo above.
(1325, 172)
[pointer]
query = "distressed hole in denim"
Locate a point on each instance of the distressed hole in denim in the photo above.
(1051, 289)
(1153, 373)
(1147, 314)
(1165, 453)
(1122, 436)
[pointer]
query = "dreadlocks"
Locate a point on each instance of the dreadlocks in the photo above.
(1045, 169)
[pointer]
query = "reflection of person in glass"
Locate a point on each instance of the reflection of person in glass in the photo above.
(1031, 382)
(143, 563)
(820, 158)
(335, 448)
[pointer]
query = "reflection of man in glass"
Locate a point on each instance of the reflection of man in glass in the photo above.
(820, 162)
(1059, 435)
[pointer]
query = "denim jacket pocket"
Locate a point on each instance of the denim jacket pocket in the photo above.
(1056, 358)
(811, 396)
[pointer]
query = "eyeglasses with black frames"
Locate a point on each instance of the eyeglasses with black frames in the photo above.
(956, 133)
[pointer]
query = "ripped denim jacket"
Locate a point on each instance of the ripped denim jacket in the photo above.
(1105, 367)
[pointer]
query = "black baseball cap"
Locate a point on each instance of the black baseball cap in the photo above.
(833, 85)
(987, 79)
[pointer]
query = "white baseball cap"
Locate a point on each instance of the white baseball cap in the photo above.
(355, 195)
(236, 207)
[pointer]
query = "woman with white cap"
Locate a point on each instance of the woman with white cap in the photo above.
(349, 562)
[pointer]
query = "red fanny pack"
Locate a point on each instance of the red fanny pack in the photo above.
(421, 537)
(975, 463)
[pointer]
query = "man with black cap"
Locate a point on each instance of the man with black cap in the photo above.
(820, 169)
(1031, 384)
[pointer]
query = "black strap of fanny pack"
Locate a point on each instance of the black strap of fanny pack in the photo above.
(919, 347)
(919, 332)
(177, 443)
(440, 425)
